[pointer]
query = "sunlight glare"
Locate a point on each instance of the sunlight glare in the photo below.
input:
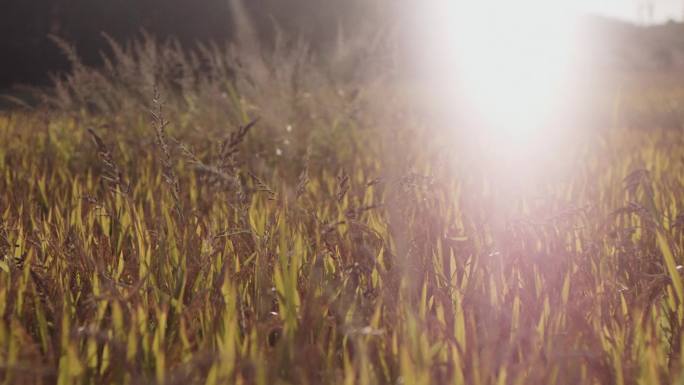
(509, 62)
(513, 59)
(504, 83)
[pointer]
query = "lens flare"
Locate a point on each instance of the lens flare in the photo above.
(502, 74)
(503, 84)
(512, 61)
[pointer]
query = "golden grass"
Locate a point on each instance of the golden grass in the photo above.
(141, 252)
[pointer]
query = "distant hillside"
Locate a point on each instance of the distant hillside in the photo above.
(621, 45)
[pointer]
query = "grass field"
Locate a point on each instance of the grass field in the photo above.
(164, 235)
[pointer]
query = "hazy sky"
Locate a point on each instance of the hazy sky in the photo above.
(663, 10)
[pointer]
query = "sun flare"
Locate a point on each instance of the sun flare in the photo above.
(514, 58)
(508, 61)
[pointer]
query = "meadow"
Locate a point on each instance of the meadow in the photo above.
(226, 217)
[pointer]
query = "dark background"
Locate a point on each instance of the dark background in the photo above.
(28, 56)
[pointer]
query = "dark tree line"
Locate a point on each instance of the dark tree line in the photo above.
(27, 55)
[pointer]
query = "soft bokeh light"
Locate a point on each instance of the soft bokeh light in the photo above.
(503, 79)
(502, 73)
(512, 60)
